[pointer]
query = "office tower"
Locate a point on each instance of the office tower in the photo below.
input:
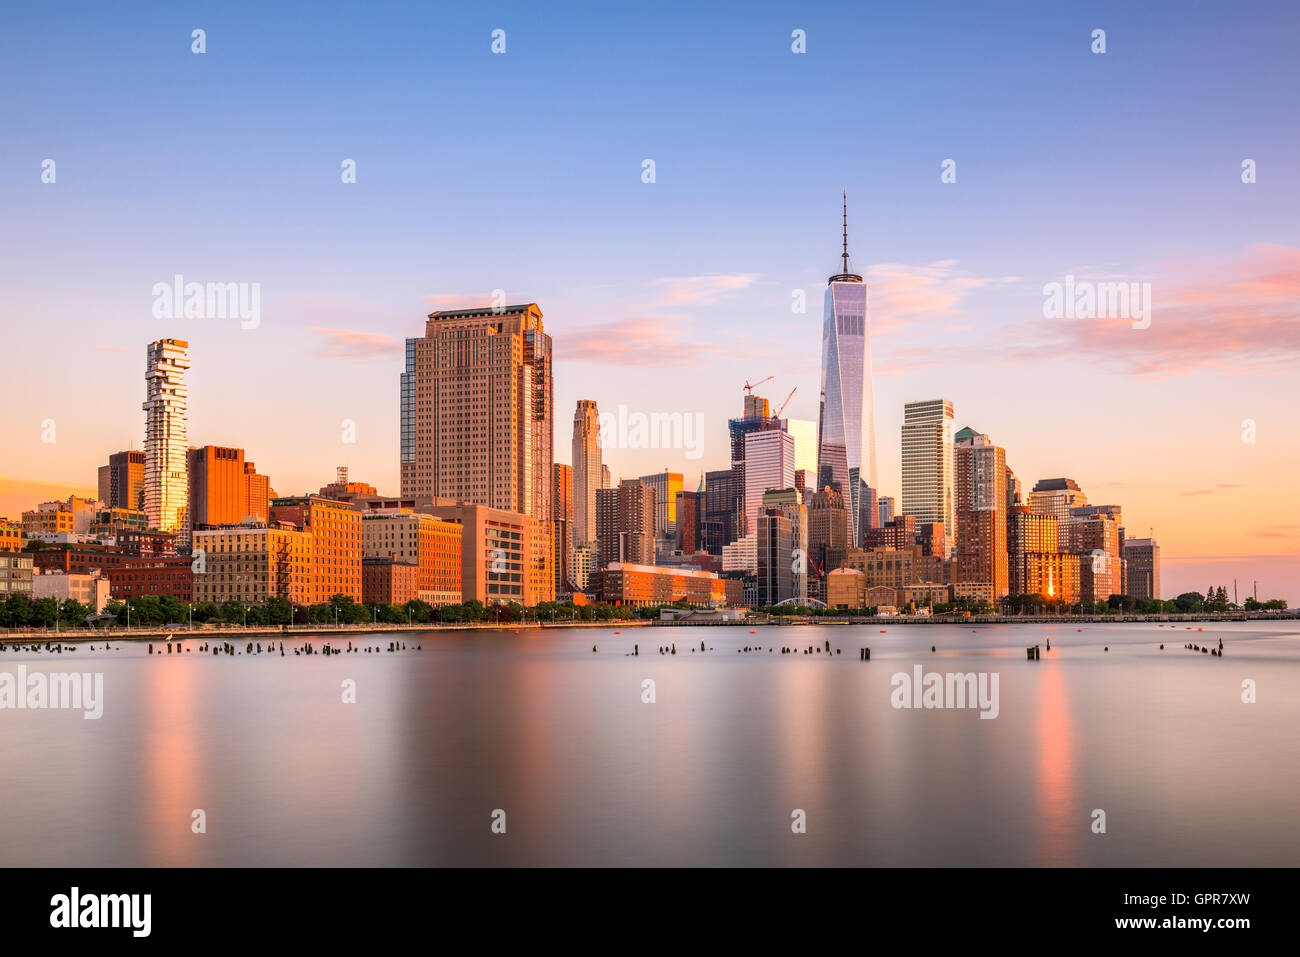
(587, 470)
(1036, 564)
(584, 560)
(257, 493)
(1143, 558)
(981, 501)
(790, 504)
(928, 470)
(166, 485)
(846, 424)
(563, 510)
(336, 542)
(690, 512)
(769, 464)
(1095, 539)
(121, 481)
(625, 518)
(828, 530)
(774, 557)
(869, 507)
(477, 416)
(217, 486)
(477, 410)
(1056, 496)
(886, 509)
(666, 485)
(562, 493)
(724, 506)
(606, 478)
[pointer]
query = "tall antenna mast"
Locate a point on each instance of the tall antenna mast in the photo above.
(846, 231)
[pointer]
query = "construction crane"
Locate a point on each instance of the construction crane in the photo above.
(751, 386)
(777, 413)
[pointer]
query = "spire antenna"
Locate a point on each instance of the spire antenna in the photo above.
(846, 231)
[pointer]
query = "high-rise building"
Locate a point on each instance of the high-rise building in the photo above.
(477, 416)
(257, 493)
(1095, 539)
(886, 504)
(666, 485)
(1143, 558)
(690, 513)
(789, 504)
(587, 470)
(774, 557)
(1056, 496)
(724, 507)
(606, 477)
(828, 536)
(625, 518)
(218, 491)
(166, 484)
(981, 503)
(563, 510)
(769, 464)
(480, 410)
(928, 469)
(846, 425)
(121, 481)
(1036, 564)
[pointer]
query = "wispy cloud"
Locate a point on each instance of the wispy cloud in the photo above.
(355, 346)
(700, 290)
(1247, 321)
(646, 340)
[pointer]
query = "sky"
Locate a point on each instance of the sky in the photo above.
(523, 171)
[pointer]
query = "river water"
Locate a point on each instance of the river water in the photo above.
(560, 741)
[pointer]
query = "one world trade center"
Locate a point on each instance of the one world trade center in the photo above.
(846, 425)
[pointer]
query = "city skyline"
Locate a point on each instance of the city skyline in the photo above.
(693, 296)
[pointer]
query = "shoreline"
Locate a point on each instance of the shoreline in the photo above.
(38, 636)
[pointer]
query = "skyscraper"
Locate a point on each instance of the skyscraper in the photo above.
(121, 481)
(477, 410)
(769, 464)
(587, 469)
(166, 479)
(982, 562)
(666, 485)
(1143, 557)
(1056, 496)
(928, 464)
(846, 425)
(625, 518)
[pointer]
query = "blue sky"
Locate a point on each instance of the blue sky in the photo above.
(522, 171)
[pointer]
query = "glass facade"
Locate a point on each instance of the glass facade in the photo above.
(846, 426)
